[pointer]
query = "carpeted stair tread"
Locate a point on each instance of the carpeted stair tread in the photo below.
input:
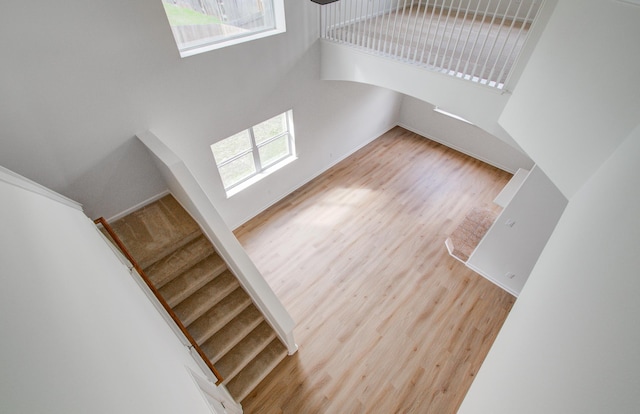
(219, 315)
(232, 333)
(179, 261)
(206, 297)
(241, 354)
(243, 383)
(193, 279)
(196, 283)
(156, 230)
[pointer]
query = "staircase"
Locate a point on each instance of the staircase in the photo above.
(207, 298)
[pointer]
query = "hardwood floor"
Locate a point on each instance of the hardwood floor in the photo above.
(386, 320)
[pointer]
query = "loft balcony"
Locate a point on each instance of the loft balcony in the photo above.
(475, 40)
(463, 56)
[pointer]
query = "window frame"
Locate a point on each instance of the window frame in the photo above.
(230, 40)
(261, 170)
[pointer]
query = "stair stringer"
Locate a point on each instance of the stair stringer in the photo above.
(186, 190)
(220, 394)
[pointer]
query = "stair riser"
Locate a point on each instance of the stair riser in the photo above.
(215, 325)
(188, 316)
(165, 270)
(230, 375)
(241, 385)
(196, 283)
(217, 350)
(191, 285)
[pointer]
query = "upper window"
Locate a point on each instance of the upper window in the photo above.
(245, 157)
(202, 25)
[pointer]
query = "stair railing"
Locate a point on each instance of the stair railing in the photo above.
(477, 40)
(194, 345)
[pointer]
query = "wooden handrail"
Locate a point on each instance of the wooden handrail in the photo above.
(158, 296)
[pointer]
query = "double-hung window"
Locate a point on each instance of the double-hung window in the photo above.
(202, 25)
(249, 155)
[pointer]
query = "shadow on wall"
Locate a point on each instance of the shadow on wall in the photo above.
(124, 178)
(419, 116)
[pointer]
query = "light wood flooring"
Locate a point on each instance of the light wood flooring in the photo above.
(387, 321)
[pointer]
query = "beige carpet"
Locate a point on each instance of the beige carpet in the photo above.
(196, 283)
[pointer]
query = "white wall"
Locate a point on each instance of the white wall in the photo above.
(327, 131)
(79, 81)
(419, 116)
(78, 333)
(570, 344)
(477, 103)
(532, 214)
(579, 95)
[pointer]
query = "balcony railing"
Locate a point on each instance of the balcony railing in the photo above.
(477, 40)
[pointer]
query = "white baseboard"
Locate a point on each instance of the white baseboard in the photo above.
(459, 149)
(137, 206)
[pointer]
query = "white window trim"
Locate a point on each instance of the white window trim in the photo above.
(259, 176)
(280, 27)
(234, 41)
(262, 171)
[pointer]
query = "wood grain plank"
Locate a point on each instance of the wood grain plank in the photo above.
(387, 320)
